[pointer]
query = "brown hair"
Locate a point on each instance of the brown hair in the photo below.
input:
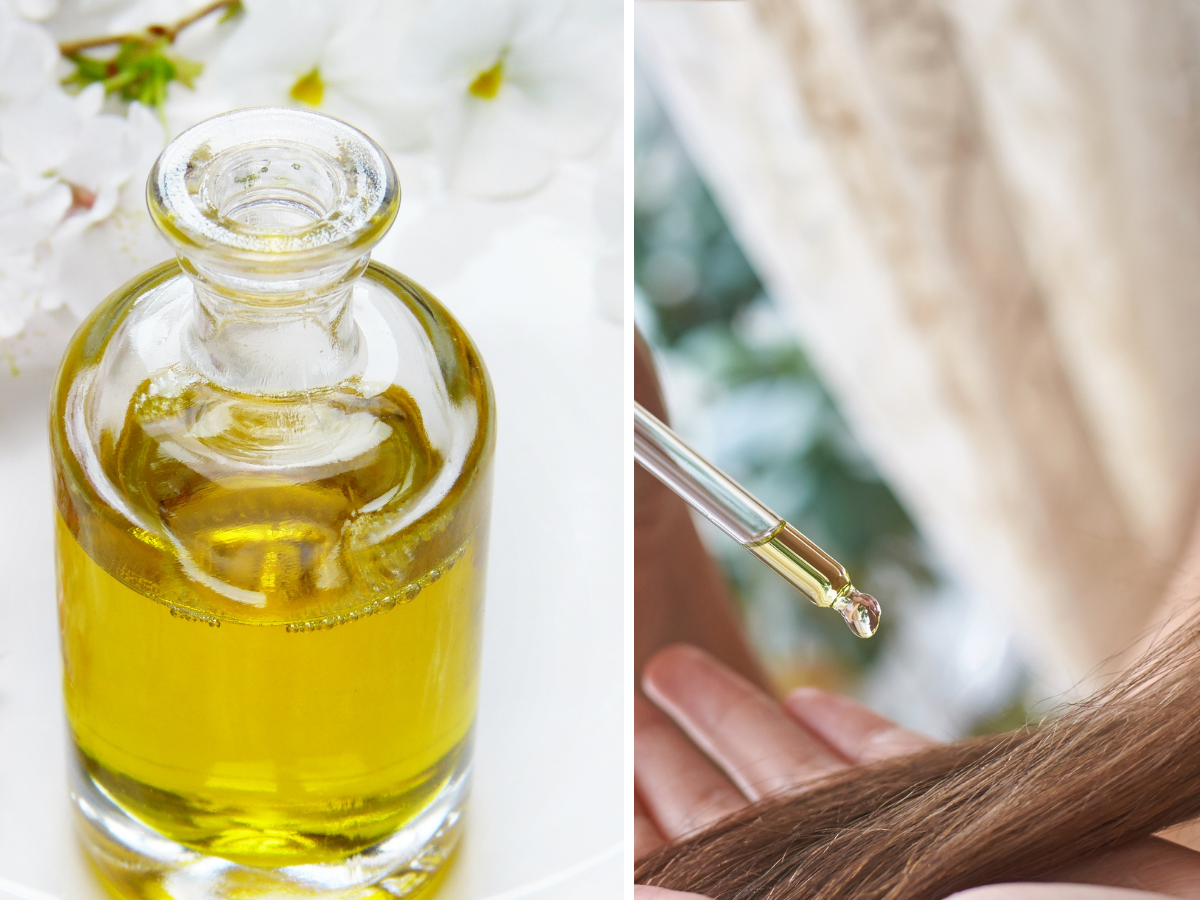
(1117, 767)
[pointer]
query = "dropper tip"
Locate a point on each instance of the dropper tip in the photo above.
(861, 612)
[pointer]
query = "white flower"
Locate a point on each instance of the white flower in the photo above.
(29, 213)
(510, 86)
(129, 16)
(31, 205)
(333, 57)
(28, 56)
(68, 171)
(88, 265)
(36, 10)
(109, 236)
(71, 20)
(107, 153)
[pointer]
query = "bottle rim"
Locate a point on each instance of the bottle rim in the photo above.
(273, 188)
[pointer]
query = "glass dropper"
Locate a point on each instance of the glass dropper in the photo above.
(740, 514)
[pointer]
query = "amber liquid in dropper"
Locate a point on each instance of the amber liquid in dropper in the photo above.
(260, 676)
(818, 576)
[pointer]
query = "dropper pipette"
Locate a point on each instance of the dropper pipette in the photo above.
(744, 518)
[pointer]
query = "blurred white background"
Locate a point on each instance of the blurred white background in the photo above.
(965, 314)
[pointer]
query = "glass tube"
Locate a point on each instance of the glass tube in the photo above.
(743, 517)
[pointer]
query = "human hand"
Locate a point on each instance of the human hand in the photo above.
(644, 892)
(745, 746)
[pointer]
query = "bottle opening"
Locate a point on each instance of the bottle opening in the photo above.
(274, 189)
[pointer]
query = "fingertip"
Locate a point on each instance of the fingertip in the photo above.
(1050, 892)
(811, 694)
(852, 729)
(646, 892)
(668, 668)
(821, 709)
(1012, 892)
(807, 694)
(677, 654)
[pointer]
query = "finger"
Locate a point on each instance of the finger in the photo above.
(859, 734)
(1151, 864)
(645, 892)
(646, 836)
(1052, 892)
(650, 494)
(681, 790)
(760, 747)
(646, 389)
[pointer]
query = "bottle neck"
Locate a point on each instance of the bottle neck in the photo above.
(274, 335)
(273, 214)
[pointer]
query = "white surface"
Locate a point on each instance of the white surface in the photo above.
(545, 819)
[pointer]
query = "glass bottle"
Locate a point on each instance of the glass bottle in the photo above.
(273, 476)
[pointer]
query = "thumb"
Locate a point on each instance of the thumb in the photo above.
(1042, 892)
(645, 892)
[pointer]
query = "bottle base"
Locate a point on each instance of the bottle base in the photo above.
(137, 862)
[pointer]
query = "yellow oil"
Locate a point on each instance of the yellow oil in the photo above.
(257, 664)
(818, 576)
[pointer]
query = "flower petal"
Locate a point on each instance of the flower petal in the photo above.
(497, 149)
(28, 56)
(558, 91)
(37, 134)
(88, 264)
